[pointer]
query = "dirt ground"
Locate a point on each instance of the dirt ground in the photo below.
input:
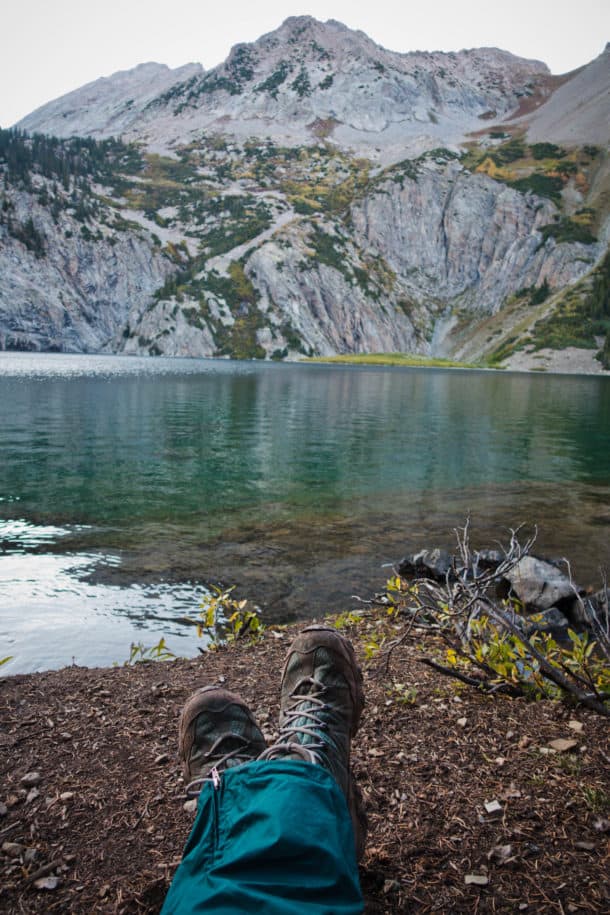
(100, 830)
(571, 360)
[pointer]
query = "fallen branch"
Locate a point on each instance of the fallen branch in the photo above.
(484, 685)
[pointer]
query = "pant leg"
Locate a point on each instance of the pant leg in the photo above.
(274, 838)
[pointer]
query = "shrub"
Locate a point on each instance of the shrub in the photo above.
(487, 647)
(273, 82)
(224, 620)
(566, 230)
(542, 185)
(546, 151)
(508, 152)
(301, 84)
(540, 293)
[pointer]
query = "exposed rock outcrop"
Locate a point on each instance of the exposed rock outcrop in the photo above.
(74, 294)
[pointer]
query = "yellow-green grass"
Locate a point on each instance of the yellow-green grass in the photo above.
(408, 359)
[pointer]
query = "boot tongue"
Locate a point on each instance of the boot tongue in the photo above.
(308, 687)
(231, 745)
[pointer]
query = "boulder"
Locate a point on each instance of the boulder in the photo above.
(601, 604)
(551, 621)
(540, 585)
(435, 564)
(489, 559)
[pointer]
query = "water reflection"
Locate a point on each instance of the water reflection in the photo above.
(52, 616)
(294, 481)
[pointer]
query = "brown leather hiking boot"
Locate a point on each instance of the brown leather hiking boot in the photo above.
(321, 702)
(217, 731)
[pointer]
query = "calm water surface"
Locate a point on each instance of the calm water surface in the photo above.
(127, 485)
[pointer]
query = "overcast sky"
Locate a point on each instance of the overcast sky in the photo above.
(53, 46)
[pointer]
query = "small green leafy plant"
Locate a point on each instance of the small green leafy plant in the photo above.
(347, 619)
(140, 654)
(225, 620)
(402, 693)
(596, 799)
(527, 663)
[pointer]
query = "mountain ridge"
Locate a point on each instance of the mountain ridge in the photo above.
(313, 194)
(303, 73)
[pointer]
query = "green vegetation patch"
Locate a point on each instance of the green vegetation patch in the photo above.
(540, 168)
(547, 151)
(329, 250)
(273, 82)
(542, 185)
(567, 230)
(69, 167)
(405, 359)
(582, 315)
(301, 85)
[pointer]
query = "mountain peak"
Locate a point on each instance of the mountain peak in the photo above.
(304, 82)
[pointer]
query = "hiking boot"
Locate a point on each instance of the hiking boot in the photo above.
(217, 731)
(321, 702)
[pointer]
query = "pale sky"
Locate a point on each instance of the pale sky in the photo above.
(53, 46)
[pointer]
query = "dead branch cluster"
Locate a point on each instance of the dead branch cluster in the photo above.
(465, 609)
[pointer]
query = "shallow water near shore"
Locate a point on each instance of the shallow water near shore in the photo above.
(128, 485)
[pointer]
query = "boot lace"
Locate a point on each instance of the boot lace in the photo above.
(218, 762)
(302, 717)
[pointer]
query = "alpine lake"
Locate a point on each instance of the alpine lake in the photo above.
(129, 486)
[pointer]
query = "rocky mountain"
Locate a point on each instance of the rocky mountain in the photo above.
(307, 80)
(578, 111)
(313, 194)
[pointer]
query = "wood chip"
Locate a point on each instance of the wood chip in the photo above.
(47, 883)
(476, 879)
(12, 849)
(493, 807)
(500, 853)
(30, 779)
(563, 744)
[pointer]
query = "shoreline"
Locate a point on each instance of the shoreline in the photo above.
(583, 361)
(517, 363)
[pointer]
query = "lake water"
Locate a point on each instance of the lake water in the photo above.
(127, 485)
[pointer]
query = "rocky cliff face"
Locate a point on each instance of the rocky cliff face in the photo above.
(71, 291)
(308, 196)
(411, 251)
(464, 239)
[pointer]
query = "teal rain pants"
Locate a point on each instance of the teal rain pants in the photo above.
(273, 838)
